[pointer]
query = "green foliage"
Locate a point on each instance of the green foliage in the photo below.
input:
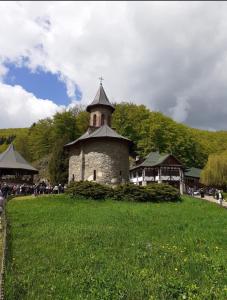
(11, 135)
(124, 192)
(59, 248)
(41, 138)
(128, 119)
(131, 192)
(82, 121)
(162, 192)
(215, 171)
(58, 164)
(88, 189)
(64, 126)
(150, 131)
(150, 193)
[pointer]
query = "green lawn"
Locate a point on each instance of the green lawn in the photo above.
(59, 248)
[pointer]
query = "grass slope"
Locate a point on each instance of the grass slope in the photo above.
(10, 132)
(60, 248)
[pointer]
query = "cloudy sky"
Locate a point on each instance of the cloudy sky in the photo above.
(170, 56)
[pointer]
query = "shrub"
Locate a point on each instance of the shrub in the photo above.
(125, 192)
(130, 192)
(162, 192)
(150, 193)
(88, 189)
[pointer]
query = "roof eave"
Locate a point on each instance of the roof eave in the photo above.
(90, 106)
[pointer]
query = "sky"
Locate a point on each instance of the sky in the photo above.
(169, 56)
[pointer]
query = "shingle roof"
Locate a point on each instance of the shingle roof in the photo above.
(103, 131)
(100, 99)
(193, 172)
(11, 159)
(153, 159)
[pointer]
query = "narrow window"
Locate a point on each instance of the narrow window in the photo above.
(94, 175)
(109, 120)
(94, 120)
(73, 178)
(102, 119)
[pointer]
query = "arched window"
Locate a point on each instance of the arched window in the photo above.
(94, 120)
(102, 119)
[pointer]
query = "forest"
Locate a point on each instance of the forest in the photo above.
(42, 143)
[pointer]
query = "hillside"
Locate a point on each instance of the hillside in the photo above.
(10, 134)
(150, 131)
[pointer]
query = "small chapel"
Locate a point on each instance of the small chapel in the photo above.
(100, 154)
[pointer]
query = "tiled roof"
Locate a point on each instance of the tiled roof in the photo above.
(11, 159)
(100, 99)
(153, 159)
(193, 172)
(103, 131)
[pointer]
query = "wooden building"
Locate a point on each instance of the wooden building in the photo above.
(192, 178)
(159, 168)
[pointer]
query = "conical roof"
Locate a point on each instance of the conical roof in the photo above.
(100, 99)
(11, 159)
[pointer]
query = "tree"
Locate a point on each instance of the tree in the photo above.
(58, 164)
(64, 126)
(40, 139)
(215, 171)
(22, 146)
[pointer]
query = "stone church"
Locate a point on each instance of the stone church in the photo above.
(100, 154)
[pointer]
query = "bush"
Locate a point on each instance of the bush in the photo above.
(151, 193)
(125, 192)
(162, 192)
(88, 189)
(130, 192)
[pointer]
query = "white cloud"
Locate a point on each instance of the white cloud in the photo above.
(20, 108)
(147, 52)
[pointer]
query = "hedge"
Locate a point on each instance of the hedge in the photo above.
(89, 189)
(125, 192)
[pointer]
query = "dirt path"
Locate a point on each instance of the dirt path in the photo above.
(211, 199)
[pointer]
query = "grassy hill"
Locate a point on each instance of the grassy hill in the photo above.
(60, 248)
(6, 135)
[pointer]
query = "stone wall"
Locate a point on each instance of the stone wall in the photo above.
(108, 157)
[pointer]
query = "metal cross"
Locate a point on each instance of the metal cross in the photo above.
(101, 80)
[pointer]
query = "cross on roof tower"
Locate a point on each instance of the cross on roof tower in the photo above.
(101, 80)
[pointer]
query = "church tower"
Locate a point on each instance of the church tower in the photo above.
(100, 109)
(100, 154)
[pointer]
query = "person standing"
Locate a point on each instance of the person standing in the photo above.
(220, 197)
(202, 193)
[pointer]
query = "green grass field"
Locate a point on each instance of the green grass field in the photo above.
(59, 248)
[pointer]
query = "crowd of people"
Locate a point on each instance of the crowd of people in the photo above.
(7, 189)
